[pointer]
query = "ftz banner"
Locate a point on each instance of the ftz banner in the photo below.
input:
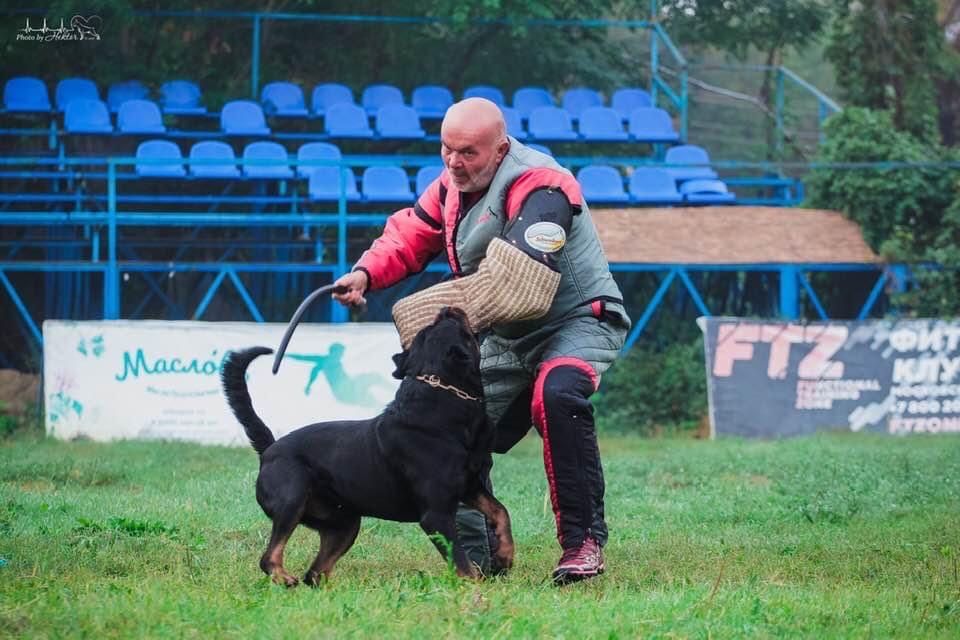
(769, 378)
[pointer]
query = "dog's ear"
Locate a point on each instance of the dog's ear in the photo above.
(400, 360)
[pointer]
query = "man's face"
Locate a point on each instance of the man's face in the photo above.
(471, 157)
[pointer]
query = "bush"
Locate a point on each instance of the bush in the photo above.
(899, 210)
(651, 389)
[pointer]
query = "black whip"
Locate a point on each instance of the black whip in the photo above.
(297, 315)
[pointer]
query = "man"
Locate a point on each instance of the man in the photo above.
(530, 272)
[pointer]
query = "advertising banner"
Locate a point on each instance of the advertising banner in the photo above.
(161, 380)
(769, 378)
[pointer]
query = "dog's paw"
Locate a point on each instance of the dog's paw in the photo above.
(281, 577)
(314, 579)
(502, 559)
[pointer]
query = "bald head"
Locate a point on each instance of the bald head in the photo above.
(474, 138)
(477, 116)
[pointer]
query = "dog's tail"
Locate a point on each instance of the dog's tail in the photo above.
(233, 377)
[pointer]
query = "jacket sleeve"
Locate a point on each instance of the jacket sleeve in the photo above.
(411, 238)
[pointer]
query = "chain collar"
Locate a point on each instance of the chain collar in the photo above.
(434, 381)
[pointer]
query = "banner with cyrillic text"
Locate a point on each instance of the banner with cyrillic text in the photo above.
(161, 380)
(769, 378)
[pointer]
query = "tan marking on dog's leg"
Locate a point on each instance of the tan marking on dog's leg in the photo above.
(333, 544)
(494, 510)
(272, 560)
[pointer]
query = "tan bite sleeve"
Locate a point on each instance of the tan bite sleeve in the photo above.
(508, 286)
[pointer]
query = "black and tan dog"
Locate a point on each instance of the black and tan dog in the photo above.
(428, 451)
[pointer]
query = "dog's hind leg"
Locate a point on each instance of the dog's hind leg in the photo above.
(494, 510)
(285, 521)
(434, 524)
(334, 542)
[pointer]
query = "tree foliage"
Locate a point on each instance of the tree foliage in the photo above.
(735, 26)
(909, 214)
(653, 388)
(897, 209)
(889, 54)
(475, 41)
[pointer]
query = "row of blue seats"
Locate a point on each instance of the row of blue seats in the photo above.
(392, 121)
(180, 97)
(601, 184)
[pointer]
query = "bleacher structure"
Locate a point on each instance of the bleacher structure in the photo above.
(146, 197)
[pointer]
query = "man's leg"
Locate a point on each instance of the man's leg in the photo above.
(563, 415)
(506, 391)
(570, 361)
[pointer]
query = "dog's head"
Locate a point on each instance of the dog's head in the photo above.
(446, 348)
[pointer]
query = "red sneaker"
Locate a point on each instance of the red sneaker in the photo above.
(579, 563)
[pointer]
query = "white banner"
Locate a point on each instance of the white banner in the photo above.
(149, 379)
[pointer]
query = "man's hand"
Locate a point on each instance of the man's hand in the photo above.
(356, 283)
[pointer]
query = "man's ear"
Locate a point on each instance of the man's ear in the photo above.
(400, 360)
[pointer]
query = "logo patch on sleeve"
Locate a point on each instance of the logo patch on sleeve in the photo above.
(547, 237)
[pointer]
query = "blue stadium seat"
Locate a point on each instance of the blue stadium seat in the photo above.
(386, 184)
(706, 192)
(316, 151)
(375, 96)
(431, 100)
(347, 120)
(426, 176)
(73, 88)
(650, 124)
(181, 97)
(602, 124)
(514, 123)
(627, 99)
(653, 185)
(325, 184)
(693, 155)
(243, 118)
(602, 184)
(120, 92)
(87, 116)
(539, 147)
(140, 116)
(579, 98)
(550, 123)
(267, 150)
(399, 121)
(328, 94)
(26, 94)
(159, 150)
(213, 150)
(526, 99)
(283, 99)
(492, 94)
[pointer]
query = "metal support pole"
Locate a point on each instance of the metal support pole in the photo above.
(111, 279)
(779, 111)
(822, 114)
(255, 59)
(654, 65)
(789, 293)
(684, 100)
(338, 313)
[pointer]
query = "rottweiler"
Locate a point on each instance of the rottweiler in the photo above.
(429, 450)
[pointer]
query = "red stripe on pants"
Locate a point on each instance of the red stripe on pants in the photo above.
(540, 421)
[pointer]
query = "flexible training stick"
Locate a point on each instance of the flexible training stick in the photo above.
(295, 320)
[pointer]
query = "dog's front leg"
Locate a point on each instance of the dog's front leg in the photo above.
(495, 512)
(436, 523)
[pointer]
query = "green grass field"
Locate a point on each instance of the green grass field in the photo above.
(833, 536)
